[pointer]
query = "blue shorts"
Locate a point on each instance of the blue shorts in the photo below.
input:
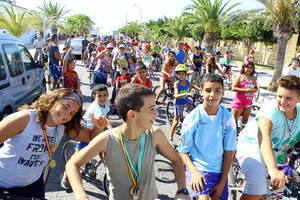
(212, 179)
(55, 71)
(81, 145)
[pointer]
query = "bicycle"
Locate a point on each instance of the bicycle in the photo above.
(257, 93)
(167, 94)
(197, 99)
(291, 168)
(89, 170)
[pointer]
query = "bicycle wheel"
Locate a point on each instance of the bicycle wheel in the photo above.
(163, 171)
(68, 149)
(170, 112)
(105, 183)
(46, 172)
(162, 97)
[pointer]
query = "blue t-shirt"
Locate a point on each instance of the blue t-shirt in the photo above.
(182, 89)
(280, 135)
(97, 110)
(180, 56)
(51, 55)
(205, 137)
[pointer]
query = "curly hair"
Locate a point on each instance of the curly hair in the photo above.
(46, 101)
(290, 82)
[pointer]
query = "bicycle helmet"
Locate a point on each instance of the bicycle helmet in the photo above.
(181, 68)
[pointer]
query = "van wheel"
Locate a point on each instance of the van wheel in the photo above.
(5, 113)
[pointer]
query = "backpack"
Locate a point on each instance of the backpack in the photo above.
(100, 77)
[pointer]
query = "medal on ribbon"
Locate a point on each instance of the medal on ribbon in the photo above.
(135, 173)
(52, 162)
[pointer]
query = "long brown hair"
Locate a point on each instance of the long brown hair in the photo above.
(46, 101)
(212, 66)
(245, 65)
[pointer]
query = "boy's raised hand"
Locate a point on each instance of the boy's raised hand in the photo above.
(198, 181)
(100, 122)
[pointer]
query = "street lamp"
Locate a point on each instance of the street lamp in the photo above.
(44, 22)
(141, 11)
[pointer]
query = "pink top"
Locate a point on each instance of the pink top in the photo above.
(245, 97)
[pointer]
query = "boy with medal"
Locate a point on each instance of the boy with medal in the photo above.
(130, 150)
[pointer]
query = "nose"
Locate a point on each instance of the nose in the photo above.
(283, 100)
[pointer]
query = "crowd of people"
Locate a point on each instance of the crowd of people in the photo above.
(209, 140)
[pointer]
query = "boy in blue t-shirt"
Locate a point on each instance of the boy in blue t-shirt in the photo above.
(208, 142)
(182, 96)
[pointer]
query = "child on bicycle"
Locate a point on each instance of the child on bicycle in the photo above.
(245, 86)
(121, 81)
(166, 73)
(141, 77)
(264, 141)
(71, 78)
(31, 135)
(226, 63)
(183, 97)
(134, 141)
(208, 142)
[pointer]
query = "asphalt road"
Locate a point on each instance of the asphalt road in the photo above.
(164, 178)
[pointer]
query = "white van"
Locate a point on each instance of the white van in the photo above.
(22, 80)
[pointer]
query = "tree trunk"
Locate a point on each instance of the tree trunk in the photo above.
(282, 43)
(248, 45)
(209, 41)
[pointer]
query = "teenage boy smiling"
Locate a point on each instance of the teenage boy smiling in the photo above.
(130, 150)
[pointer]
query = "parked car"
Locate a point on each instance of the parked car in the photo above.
(22, 79)
(76, 44)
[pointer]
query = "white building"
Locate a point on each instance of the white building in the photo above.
(28, 37)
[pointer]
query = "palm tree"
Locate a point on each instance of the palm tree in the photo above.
(282, 16)
(132, 28)
(178, 27)
(35, 19)
(210, 15)
(14, 23)
(54, 14)
(80, 24)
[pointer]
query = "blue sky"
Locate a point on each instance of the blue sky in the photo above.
(109, 15)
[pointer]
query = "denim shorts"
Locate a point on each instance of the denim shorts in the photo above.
(212, 179)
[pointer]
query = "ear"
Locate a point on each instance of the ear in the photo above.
(130, 114)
